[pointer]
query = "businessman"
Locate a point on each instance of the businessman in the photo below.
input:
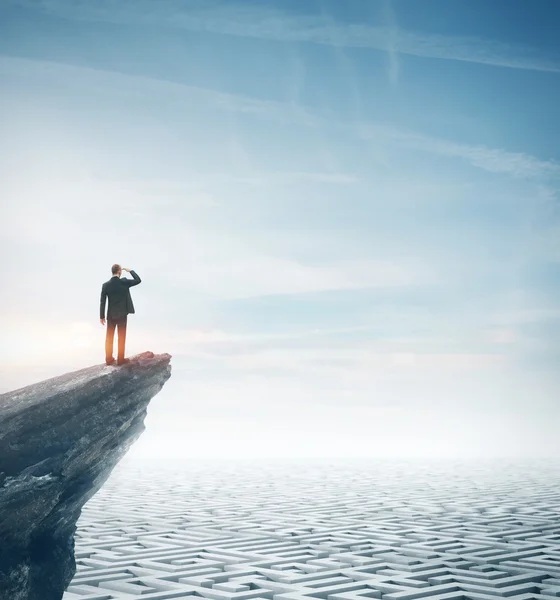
(117, 290)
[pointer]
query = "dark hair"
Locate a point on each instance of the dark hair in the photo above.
(115, 269)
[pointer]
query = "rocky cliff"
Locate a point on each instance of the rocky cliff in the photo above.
(59, 441)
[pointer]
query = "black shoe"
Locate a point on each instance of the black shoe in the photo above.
(123, 361)
(109, 361)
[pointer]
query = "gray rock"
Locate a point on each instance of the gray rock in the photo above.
(59, 441)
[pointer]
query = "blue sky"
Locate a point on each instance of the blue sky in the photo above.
(345, 215)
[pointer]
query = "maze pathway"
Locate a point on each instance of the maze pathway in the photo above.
(323, 530)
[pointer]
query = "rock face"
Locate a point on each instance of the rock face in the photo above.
(59, 441)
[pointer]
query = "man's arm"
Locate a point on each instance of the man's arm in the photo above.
(102, 304)
(131, 282)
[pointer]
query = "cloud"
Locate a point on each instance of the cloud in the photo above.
(240, 274)
(495, 160)
(214, 260)
(269, 23)
(393, 62)
(360, 365)
(114, 83)
(288, 177)
(502, 336)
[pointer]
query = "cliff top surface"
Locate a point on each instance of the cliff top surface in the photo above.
(26, 397)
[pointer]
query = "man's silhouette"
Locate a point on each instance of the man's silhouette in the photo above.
(120, 305)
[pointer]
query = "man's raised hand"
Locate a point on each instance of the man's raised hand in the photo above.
(125, 269)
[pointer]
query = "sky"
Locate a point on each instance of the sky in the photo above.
(345, 216)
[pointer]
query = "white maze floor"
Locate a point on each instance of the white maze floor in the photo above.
(324, 531)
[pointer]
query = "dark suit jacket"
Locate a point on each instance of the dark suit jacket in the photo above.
(117, 289)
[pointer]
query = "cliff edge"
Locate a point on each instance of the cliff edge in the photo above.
(59, 441)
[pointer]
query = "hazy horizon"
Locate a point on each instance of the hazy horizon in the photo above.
(345, 217)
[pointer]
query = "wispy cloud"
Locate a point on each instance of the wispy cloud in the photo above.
(109, 82)
(259, 178)
(393, 39)
(495, 160)
(266, 22)
(238, 274)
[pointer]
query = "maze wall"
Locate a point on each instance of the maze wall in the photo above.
(322, 530)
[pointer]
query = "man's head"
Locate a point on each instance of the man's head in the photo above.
(116, 269)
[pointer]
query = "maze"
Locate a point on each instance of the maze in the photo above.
(322, 530)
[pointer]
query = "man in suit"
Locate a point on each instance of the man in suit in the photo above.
(117, 290)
